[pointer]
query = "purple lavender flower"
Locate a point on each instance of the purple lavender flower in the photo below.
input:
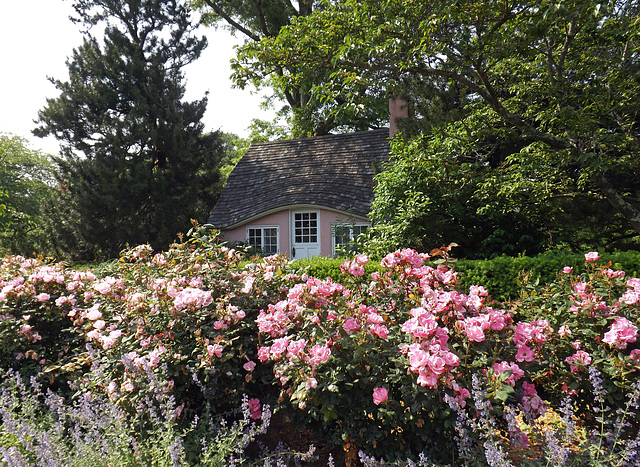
(556, 454)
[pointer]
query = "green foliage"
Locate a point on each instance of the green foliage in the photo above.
(429, 196)
(136, 166)
(323, 268)
(583, 306)
(263, 131)
(27, 189)
(294, 81)
(534, 105)
(234, 149)
(504, 277)
(389, 358)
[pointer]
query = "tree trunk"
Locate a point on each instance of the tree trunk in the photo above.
(628, 210)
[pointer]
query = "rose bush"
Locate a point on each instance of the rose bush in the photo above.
(382, 360)
(186, 315)
(590, 320)
(407, 333)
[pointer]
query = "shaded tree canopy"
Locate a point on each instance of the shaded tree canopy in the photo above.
(27, 188)
(307, 111)
(543, 96)
(135, 163)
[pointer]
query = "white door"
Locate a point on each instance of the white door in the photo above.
(305, 235)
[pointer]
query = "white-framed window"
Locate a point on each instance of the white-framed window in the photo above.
(305, 227)
(344, 236)
(264, 239)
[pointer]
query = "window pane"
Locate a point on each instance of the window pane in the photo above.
(359, 229)
(270, 241)
(255, 238)
(305, 227)
(344, 237)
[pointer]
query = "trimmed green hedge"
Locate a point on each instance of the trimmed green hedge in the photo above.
(501, 276)
(322, 267)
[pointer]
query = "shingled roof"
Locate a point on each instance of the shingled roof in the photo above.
(333, 171)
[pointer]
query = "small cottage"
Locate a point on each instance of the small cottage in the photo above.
(303, 197)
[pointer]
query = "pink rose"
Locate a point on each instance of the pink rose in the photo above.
(591, 256)
(279, 347)
(525, 354)
(379, 330)
(319, 354)
(93, 335)
(43, 297)
(567, 269)
(107, 342)
(362, 259)
(249, 366)
(380, 395)
(311, 383)
(580, 357)
(350, 325)
(214, 349)
(295, 348)
(622, 333)
(217, 325)
(264, 353)
(427, 378)
(564, 331)
(254, 408)
(436, 364)
(94, 313)
(475, 333)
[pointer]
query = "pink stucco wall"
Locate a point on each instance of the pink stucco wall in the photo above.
(282, 219)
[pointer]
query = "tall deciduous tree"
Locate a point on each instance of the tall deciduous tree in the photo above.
(136, 165)
(544, 95)
(27, 189)
(307, 111)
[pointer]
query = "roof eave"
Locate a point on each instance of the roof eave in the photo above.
(288, 207)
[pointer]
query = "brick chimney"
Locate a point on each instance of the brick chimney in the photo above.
(398, 109)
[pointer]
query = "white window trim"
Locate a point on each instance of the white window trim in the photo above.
(292, 216)
(262, 228)
(349, 225)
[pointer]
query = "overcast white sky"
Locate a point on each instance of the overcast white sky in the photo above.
(36, 37)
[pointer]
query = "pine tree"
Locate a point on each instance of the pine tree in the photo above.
(135, 163)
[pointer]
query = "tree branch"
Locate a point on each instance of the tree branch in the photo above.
(218, 11)
(262, 19)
